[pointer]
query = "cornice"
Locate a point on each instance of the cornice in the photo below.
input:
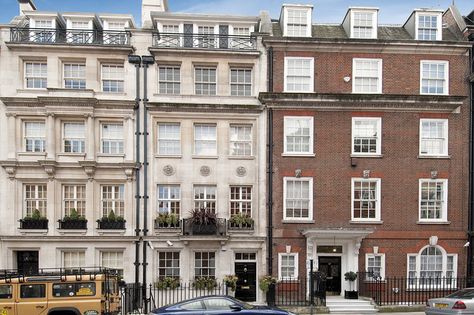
(206, 52)
(44, 101)
(126, 50)
(190, 107)
(344, 102)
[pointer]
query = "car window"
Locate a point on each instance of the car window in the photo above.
(31, 291)
(73, 289)
(218, 304)
(5, 291)
(194, 305)
(462, 294)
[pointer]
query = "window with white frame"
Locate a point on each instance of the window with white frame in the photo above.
(367, 75)
(241, 38)
(297, 23)
(287, 266)
(45, 32)
(428, 27)
(113, 200)
(240, 140)
(78, 33)
(241, 82)
(241, 200)
(299, 74)
(170, 36)
(73, 259)
(433, 200)
(206, 37)
(117, 26)
(375, 266)
(433, 137)
(366, 135)
(112, 37)
(112, 260)
(35, 136)
(74, 137)
(366, 199)
(204, 264)
(36, 75)
(83, 25)
(205, 197)
(74, 198)
(74, 76)
(169, 138)
(298, 198)
(364, 25)
(205, 81)
(168, 265)
(112, 138)
(205, 139)
(169, 199)
(298, 135)
(432, 267)
(169, 79)
(35, 198)
(113, 78)
(434, 77)
(43, 24)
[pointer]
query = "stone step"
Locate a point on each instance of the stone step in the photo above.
(343, 306)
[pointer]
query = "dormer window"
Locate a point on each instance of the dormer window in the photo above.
(363, 26)
(80, 25)
(43, 24)
(116, 26)
(296, 21)
(428, 27)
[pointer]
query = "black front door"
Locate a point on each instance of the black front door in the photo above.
(246, 273)
(27, 262)
(331, 267)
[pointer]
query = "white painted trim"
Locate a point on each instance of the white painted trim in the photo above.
(311, 193)
(382, 264)
(311, 65)
(379, 136)
(444, 210)
(445, 131)
(374, 13)
(311, 134)
(378, 199)
(379, 75)
(446, 76)
(280, 256)
(439, 31)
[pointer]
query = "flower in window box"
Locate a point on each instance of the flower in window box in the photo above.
(202, 283)
(167, 283)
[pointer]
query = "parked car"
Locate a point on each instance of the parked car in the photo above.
(459, 302)
(216, 305)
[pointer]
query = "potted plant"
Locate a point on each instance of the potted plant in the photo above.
(73, 221)
(204, 222)
(203, 283)
(167, 283)
(350, 276)
(241, 221)
(167, 220)
(35, 221)
(231, 282)
(111, 222)
(267, 285)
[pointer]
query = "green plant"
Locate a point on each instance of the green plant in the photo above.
(350, 276)
(170, 219)
(231, 281)
(240, 219)
(202, 283)
(35, 216)
(266, 281)
(167, 283)
(112, 217)
(203, 216)
(74, 216)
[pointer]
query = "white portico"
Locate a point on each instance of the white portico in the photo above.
(335, 252)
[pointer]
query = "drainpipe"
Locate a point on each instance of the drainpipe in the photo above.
(270, 170)
(470, 250)
(136, 60)
(146, 61)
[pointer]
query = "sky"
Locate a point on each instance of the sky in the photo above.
(325, 11)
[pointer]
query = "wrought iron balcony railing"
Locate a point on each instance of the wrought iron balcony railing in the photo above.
(69, 37)
(204, 41)
(216, 229)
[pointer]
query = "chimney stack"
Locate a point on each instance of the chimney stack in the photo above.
(26, 5)
(149, 6)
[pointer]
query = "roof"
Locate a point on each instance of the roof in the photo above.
(386, 33)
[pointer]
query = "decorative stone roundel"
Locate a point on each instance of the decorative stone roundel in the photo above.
(241, 171)
(205, 171)
(168, 170)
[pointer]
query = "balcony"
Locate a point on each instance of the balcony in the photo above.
(30, 224)
(72, 224)
(241, 227)
(69, 37)
(217, 229)
(204, 41)
(110, 225)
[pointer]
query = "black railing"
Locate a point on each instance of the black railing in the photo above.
(167, 226)
(72, 224)
(110, 225)
(240, 227)
(215, 229)
(300, 292)
(407, 291)
(26, 224)
(69, 37)
(204, 41)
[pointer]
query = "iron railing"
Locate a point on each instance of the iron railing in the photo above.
(300, 291)
(204, 41)
(407, 291)
(216, 229)
(69, 36)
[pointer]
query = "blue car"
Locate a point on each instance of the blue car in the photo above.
(216, 305)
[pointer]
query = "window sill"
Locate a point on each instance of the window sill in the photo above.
(111, 93)
(440, 157)
(164, 156)
(110, 155)
(289, 221)
(32, 154)
(205, 157)
(72, 232)
(365, 222)
(298, 154)
(111, 232)
(26, 90)
(241, 157)
(370, 156)
(71, 154)
(33, 232)
(433, 222)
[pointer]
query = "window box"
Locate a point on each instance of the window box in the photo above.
(72, 224)
(204, 229)
(111, 225)
(167, 221)
(241, 222)
(32, 224)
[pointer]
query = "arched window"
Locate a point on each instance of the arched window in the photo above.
(432, 266)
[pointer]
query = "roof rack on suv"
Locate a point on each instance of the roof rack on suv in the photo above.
(62, 273)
